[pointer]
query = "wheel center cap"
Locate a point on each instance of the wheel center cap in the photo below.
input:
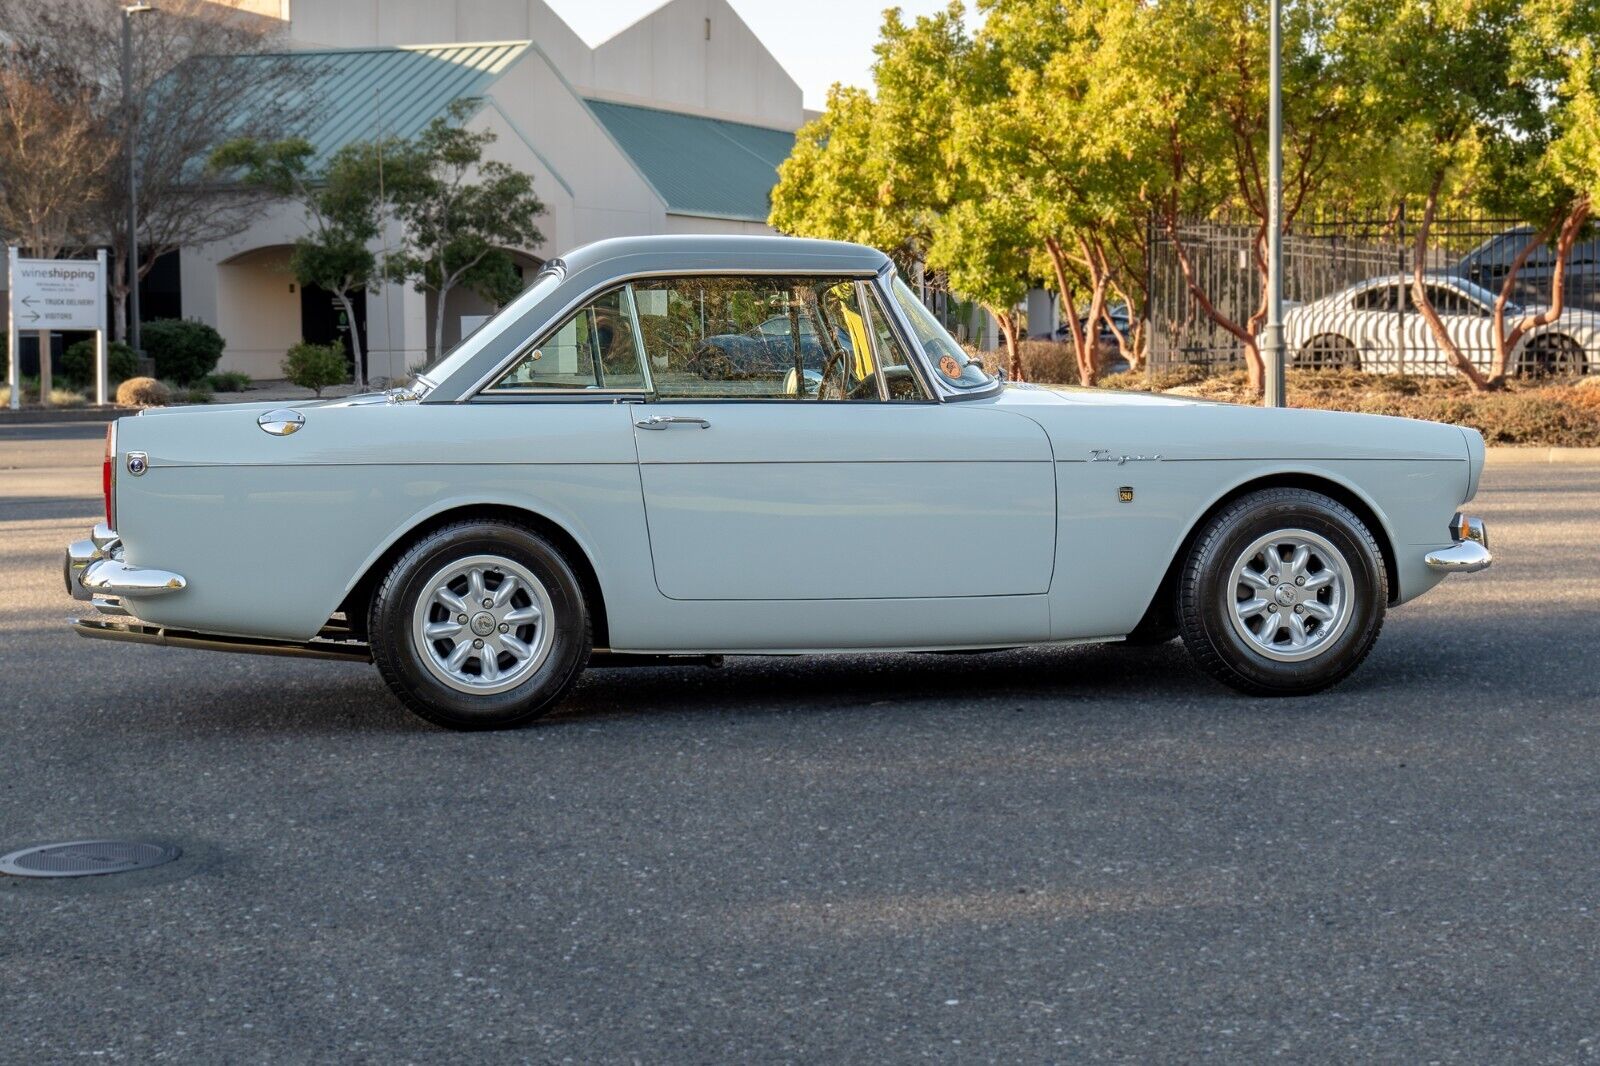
(1285, 595)
(483, 623)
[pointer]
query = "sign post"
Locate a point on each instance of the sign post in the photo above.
(101, 368)
(57, 294)
(14, 357)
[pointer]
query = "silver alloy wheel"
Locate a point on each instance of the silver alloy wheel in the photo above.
(483, 624)
(1290, 595)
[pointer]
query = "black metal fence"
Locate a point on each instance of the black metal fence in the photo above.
(1348, 304)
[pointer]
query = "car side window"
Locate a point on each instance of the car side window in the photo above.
(756, 338)
(1448, 301)
(898, 377)
(595, 348)
(1377, 298)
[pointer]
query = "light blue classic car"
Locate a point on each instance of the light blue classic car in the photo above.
(603, 474)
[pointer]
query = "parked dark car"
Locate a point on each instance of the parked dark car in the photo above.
(1488, 264)
(1111, 361)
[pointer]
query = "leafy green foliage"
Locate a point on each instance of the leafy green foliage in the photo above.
(184, 350)
(343, 203)
(77, 363)
(316, 366)
(228, 381)
(461, 215)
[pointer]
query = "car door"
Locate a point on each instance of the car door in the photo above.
(832, 476)
(1467, 322)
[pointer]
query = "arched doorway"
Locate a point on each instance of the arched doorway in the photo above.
(262, 311)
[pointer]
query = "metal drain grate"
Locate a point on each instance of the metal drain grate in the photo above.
(82, 858)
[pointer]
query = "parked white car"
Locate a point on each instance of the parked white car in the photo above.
(1363, 328)
(595, 477)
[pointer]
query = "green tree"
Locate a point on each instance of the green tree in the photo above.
(1186, 84)
(1548, 174)
(1043, 145)
(460, 214)
(1442, 74)
(984, 248)
(344, 210)
(881, 168)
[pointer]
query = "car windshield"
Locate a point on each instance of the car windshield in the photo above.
(543, 284)
(954, 366)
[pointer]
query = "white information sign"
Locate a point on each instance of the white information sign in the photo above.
(58, 294)
(49, 295)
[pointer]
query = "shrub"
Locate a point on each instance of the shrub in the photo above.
(143, 392)
(316, 366)
(188, 393)
(229, 381)
(77, 363)
(184, 351)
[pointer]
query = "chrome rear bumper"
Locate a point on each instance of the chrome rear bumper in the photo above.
(1469, 554)
(94, 568)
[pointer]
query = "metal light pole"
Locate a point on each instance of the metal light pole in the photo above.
(129, 113)
(1273, 355)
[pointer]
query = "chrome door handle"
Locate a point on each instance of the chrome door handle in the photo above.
(667, 421)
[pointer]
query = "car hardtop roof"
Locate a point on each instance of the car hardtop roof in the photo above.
(721, 253)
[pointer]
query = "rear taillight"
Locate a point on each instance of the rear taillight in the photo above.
(107, 476)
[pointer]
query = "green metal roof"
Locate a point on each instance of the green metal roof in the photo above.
(352, 94)
(699, 166)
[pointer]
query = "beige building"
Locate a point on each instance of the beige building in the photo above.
(676, 124)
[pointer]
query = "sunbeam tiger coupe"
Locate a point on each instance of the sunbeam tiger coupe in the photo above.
(705, 446)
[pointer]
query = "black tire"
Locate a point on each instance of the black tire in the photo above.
(1231, 648)
(392, 620)
(1328, 351)
(1551, 355)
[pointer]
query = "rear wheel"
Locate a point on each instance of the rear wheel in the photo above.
(1328, 352)
(1283, 593)
(1550, 355)
(480, 625)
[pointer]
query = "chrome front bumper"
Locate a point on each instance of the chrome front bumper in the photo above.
(93, 570)
(1469, 554)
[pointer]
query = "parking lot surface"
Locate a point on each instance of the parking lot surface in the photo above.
(1053, 854)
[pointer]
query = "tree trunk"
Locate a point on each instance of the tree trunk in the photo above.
(1085, 359)
(1007, 321)
(358, 375)
(119, 297)
(438, 321)
(1252, 351)
(1505, 343)
(1419, 294)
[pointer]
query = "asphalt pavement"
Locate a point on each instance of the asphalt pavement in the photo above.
(1089, 854)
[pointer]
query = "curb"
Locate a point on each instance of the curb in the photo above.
(1508, 455)
(36, 415)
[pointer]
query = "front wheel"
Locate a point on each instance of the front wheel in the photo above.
(1283, 593)
(480, 625)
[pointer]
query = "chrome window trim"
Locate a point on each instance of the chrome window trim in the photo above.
(627, 279)
(638, 340)
(551, 390)
(874, 292)
(941, 391)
